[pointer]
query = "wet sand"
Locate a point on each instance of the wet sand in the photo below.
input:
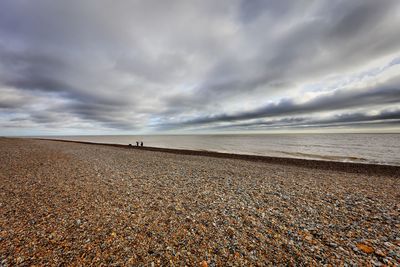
(80, 204)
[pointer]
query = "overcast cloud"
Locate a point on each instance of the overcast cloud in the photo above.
(133, 67)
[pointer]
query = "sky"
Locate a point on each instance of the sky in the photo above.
(73, 67)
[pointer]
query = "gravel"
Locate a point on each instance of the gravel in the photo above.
(78, 204)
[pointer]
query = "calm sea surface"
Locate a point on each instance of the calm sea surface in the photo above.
(367, 148)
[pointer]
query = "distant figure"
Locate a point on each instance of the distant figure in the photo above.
(130, 144)
(137, 143)
(141, 143)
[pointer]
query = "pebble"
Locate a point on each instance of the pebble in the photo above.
(334, 245)
(380, 253)
(376, 263)
(203, 264)
(365, 248)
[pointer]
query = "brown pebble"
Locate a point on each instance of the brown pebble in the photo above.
(365, 248)
(203, 264)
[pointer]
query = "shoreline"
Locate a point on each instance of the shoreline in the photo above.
(351, 167)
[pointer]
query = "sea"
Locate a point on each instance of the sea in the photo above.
(361, 148)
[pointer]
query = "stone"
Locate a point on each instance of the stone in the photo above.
(388, 244)
(380, 253)
(365, 248)
(376, 263)
(334, 245)
(203, 264)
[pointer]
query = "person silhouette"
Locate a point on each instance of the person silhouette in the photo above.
(141, 143)
(137, 143)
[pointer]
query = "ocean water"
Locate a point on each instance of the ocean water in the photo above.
(363, 148)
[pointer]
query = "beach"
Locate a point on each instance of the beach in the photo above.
(68, 203)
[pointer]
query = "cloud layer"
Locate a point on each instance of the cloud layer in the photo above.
(84, 67)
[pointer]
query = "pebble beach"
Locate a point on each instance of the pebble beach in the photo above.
(75, 204)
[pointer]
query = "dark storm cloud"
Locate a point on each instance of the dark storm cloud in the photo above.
(46, 117)
(106, 114)
(32, 71)
(358, 17)
(348, 119)
(131, 65)
(252, 10)
(344, 34)
(310, 50)
(11, 102)
(13, 99)
(340, 99)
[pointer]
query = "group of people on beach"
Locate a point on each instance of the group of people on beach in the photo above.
(138, 143)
